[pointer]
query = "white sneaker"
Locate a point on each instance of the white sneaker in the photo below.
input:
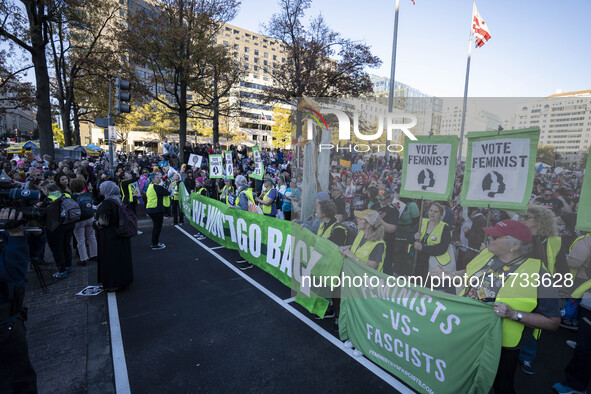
(348, 344)
(357, 353)
(572, 344)
(201, 237)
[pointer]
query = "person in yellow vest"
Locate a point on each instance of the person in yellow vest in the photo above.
(431, 241)
(369, 247)
(243, 193)
(578, 371)
(579, 262)
(226, 192)
(158, 202)
(177, 214)
(268, 197)
(200, 187)
(547, 248)
(330, 228)
(523, 305)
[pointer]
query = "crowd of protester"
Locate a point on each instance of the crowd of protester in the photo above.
(361, 212)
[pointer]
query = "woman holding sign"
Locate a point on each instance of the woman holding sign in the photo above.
(368, 247)
(432, 242)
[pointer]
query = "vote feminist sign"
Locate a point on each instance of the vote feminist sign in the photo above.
(499, 168)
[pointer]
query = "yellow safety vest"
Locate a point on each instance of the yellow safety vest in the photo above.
(202, 189)
(575, 271)
(267, 209)
(227, 195)
(518, 297)
(365, 250)
(326, 234)
(552, 248)
(153, 198)
(437, 233)
(248, 193)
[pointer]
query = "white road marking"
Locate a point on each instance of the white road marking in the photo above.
(119, 365)
(386, 377)
(288, 300)
(217, 247)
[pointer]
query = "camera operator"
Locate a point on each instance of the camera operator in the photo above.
(16, 372)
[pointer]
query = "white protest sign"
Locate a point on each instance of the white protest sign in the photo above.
(195, 161)
(215, 166)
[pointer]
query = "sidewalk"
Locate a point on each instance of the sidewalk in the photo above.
(68, 335)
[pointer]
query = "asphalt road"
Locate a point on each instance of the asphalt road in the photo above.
(191, 324)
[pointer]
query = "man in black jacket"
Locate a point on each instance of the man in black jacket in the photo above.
(16, 372)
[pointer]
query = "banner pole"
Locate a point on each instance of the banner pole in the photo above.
(392, 72)
(487, 224)
(466, 86)
(414, 265)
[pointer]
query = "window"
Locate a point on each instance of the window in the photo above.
(228, 29)
(236, 32)
(274, 57)
(282, 60)
(256, 52)
(256, 59)
(245, 49)
(264, 138)
(256, 68)
(266, 55)
(265, 62)
(254, 137)
(245, 66)
(226, 43)
(246, 57)
(236, 46)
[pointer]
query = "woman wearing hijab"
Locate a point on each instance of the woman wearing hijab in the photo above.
(115, 269)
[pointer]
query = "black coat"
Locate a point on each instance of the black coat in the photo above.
(115, 269)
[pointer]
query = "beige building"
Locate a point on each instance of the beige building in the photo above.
(564, 120)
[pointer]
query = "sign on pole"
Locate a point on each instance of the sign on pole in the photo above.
(195, 161)
(429, 167)
(112, 133)
(584, 213)
(215, 166)
(229, 165)
(500, 169)
(259, 169)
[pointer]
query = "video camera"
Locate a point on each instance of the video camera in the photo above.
(12, 196)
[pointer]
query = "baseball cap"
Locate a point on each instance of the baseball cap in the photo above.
(321, 196)
(512, 228)
(370, 216)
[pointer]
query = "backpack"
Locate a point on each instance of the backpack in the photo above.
(69, 210)
(279, 201)
(85, 202)
(351, 232)
(127, 226)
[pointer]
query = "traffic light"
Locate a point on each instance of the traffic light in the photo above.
(122, 96)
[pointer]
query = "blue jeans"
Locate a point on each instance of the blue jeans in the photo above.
(578, 370)
(529, 350)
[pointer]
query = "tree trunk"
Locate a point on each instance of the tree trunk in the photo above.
(41, 78)
(182, 120)
(76, 125)
(216, 111)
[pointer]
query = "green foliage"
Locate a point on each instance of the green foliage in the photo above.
(58, 135)
(546, 154)
(281, 128)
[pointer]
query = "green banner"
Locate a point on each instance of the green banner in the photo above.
(500, 169)
(436, 343)
(216, 166)
(429, 167)
(229, 166)
(584, 212)
(316, 261)
(261, 240)
(259, 167)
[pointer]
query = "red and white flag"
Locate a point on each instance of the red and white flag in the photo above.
(480, 28)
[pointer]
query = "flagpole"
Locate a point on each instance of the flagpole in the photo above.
(392, 72)
(466, 85)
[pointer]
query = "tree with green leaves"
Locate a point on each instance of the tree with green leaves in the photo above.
(80, 45)
(281, 127)
(58, 135)
(29, 31)
(546, 154)
(174, 44)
